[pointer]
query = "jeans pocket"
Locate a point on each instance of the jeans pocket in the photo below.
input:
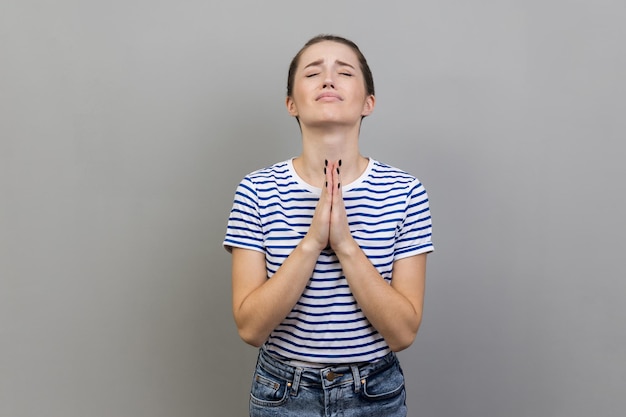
(383, 385)
(268, 390)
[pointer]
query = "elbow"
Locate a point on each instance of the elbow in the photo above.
(405, 339)
(401, 343)
(247, 331)
(252, 341)
(251, 337)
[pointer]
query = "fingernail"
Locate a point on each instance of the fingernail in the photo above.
(325, 162)
(326, 184)
(337, 170)
(340, 162)
(324, 170)
(338, 185)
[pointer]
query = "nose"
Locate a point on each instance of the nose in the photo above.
(328, 81)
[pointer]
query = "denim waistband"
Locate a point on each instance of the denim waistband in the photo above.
(327, 377)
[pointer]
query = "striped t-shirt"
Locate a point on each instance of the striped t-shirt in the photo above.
(389, 218)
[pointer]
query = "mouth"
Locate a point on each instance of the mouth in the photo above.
(327, 96)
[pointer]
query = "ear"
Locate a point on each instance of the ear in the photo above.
(291, 106)
(368, 106)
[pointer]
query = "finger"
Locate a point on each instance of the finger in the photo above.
(338, 202)
(330, 180)
(338, 177)
(320, 224)
(336, 174)
(339, 228)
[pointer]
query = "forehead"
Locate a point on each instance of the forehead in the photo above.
(328, 51)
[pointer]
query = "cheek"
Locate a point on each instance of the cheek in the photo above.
(305, 84)
(302, 92)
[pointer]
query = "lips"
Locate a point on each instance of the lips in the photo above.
(328, 96)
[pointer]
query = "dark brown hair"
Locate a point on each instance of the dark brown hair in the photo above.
(365, 69)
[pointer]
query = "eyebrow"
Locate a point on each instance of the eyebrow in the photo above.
(321, 61)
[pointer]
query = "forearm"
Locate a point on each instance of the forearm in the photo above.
(263, 309)
(390, 312)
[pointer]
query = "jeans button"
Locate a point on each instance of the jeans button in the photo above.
(330, 376)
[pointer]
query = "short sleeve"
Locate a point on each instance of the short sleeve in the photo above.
(415, 231)
(244, 223)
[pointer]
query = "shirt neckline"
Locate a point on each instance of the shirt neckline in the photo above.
(317, 190)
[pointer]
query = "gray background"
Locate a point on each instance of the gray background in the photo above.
(126, 125)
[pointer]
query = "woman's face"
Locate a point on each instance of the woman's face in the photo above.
(329, 87)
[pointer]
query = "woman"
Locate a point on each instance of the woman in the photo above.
(329, 253)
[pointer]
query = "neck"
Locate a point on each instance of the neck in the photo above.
(332, 146)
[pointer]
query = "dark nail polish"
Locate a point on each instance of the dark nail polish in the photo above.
(338, 185)
(340, 162)
(326, 184)
(337, 170)
(324, 170)
(325, 162)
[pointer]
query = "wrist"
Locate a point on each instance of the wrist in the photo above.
(347, 249)
(308, 245)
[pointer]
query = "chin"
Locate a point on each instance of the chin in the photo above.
(333, 119)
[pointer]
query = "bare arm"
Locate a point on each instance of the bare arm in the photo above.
(261, 304)
(394, 310)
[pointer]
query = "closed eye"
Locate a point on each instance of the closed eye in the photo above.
(346, 74)
(311, 75)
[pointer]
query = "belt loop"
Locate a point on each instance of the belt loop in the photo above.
(357, 378)
(296, 381)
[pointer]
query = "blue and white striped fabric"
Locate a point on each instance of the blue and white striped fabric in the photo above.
(389, 217)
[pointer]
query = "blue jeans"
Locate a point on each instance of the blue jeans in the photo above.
(373, 389)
